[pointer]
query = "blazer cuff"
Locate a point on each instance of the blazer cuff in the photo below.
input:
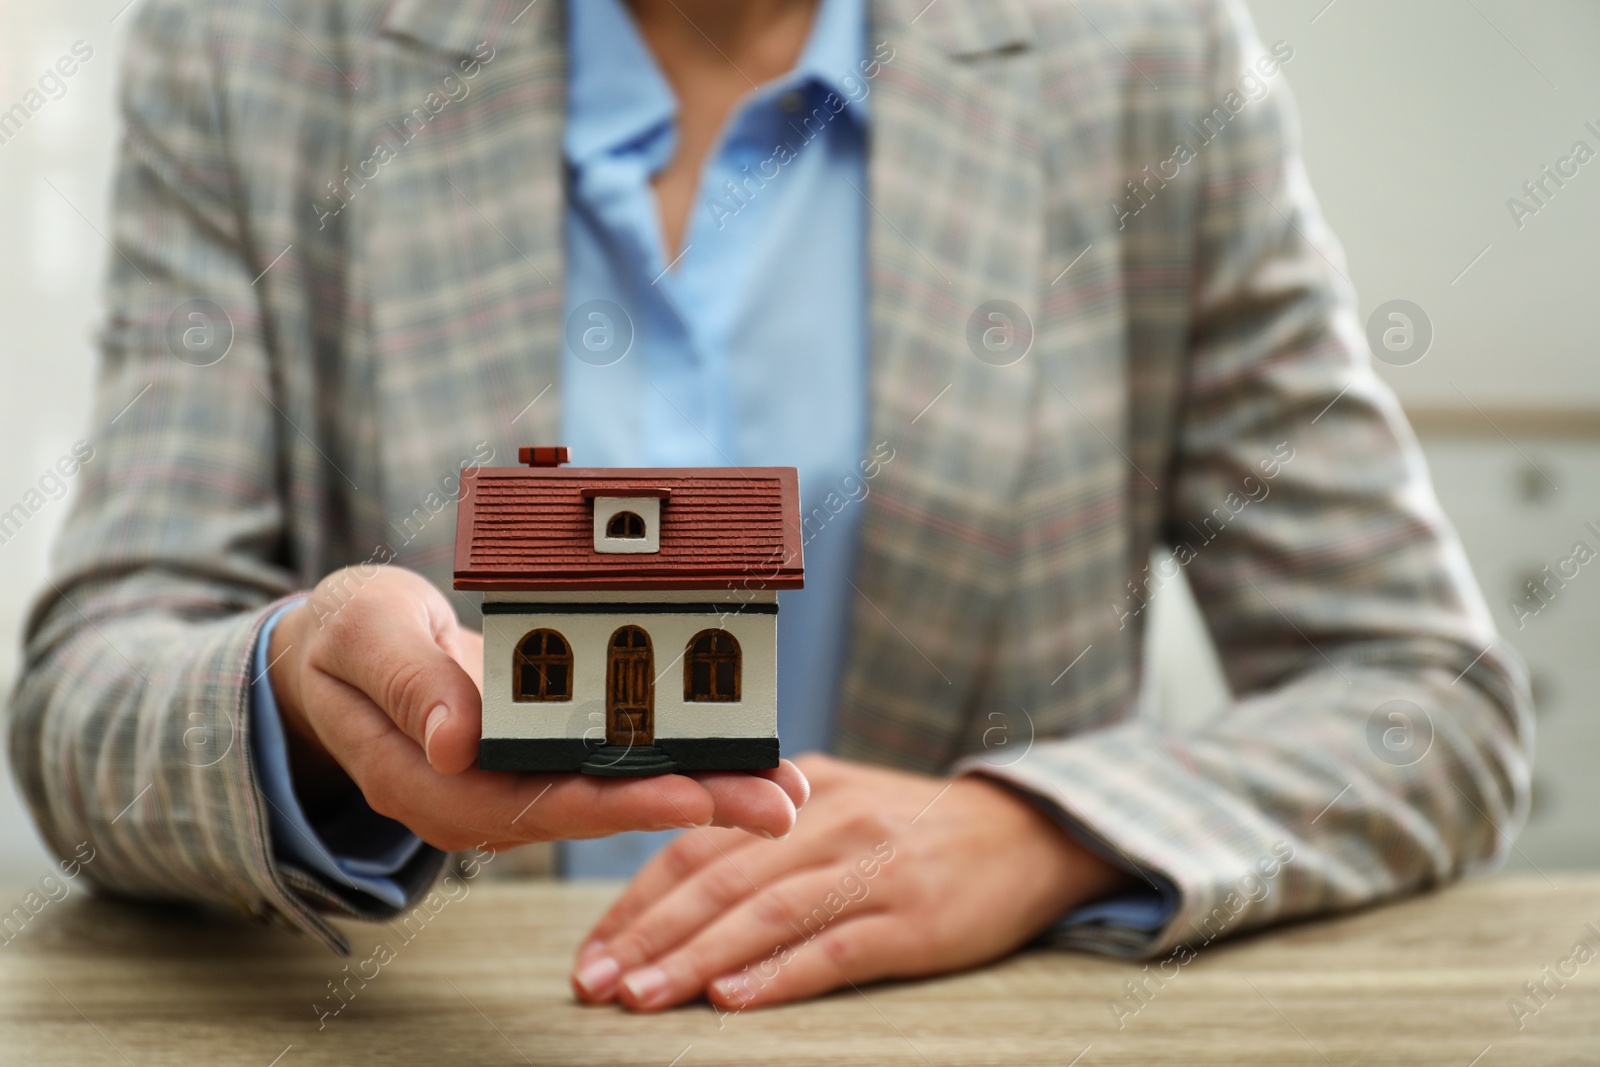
(1104, 787)
(286, 890)
(1124, 924)
(361, 856)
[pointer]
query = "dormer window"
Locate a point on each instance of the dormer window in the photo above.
(625, 524)
(627, 520)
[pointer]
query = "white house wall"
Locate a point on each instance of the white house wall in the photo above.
(589, 635)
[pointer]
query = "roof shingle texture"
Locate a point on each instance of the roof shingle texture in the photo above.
(531, 528)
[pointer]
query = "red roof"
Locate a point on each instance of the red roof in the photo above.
(532, 528)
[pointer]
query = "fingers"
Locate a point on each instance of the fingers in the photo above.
(823, 770)
(757, 804)
(663, 922)
(687, 854)
(396, 640)
(480, 806)
(792, 780)
(855, 951)
(467, 809)
(582, 806)
(771, 927)
(470, 806)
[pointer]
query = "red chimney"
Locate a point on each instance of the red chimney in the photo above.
(542, 456)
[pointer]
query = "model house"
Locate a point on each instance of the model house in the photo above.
(629, 615)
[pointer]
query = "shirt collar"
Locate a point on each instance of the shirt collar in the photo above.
(836, 52)
(617, 95)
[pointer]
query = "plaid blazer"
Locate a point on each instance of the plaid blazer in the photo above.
(1192, 375)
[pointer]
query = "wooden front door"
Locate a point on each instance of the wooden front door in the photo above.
(630, 689)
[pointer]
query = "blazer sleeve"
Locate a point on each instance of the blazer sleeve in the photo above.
(128, 726)
(1380, 732)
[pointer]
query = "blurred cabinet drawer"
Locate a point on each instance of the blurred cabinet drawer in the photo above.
(1529, 517)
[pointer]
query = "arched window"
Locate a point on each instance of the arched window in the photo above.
(542, 668)
(711, 667)
(625, 524)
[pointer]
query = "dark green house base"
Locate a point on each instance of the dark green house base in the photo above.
(669, 755)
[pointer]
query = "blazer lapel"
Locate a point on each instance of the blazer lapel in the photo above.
(955, 252)
(461, 231)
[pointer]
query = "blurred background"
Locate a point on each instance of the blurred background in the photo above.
(1421, 121)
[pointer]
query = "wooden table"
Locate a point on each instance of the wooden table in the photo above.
(485, 981)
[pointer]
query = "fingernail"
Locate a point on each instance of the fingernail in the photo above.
(772, 836)
(436, 718)
(599, 976)
(734, 988)
(647, 985)
(588, 949)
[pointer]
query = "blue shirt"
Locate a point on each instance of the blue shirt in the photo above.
(746, 346)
